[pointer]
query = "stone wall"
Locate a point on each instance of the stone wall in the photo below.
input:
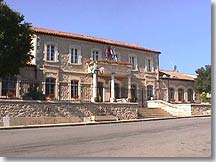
(71, 112)
(201, 109)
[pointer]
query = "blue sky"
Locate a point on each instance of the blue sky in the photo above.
(180, 29)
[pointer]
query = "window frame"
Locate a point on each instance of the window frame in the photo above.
(181, 96)
(50, 86)
(74, 89)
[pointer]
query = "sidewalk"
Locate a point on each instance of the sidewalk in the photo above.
(93, 123)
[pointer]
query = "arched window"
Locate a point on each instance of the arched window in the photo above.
(190, 94)
(181, 94)
(50, 87)
(149, 92)
(171, 93)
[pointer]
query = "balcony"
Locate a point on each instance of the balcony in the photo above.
(107, 67)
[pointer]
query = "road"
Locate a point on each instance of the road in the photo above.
(186, 137)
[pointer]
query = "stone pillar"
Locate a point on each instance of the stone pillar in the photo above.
(129, 88)
(94, 88)
(112, 98)
(104, 94)
(43, 87)
(18, 89)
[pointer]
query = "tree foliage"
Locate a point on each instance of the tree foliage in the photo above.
(15, 41)
(203, 81)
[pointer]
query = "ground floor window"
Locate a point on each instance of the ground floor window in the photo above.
(149, 92)
(74, 88)
(190, 94)
(9, 87)
(50, 87)
(171, 93)
(181, 94)
(117, 91)
(133, 91)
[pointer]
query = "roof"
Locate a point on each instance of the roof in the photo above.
(178, 75)
(93, 39)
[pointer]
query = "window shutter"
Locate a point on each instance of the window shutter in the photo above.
(79, 59)
(56, 54)
(45, 53)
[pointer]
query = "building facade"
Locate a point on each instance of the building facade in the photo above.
(177, 87)
(71, 67)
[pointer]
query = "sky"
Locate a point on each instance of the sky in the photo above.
(179, 29)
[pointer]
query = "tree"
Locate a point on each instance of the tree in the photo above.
(15, 41)
(203, 81)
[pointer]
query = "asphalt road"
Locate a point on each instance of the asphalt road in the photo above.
(187, 137)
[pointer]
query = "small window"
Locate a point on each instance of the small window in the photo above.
(133, 61)
(171, 94)
(190, 94)
(95, 55)
(9, 86)
(74, 88)
(74, 55)
(50, 87)
(50, 54)
(133, 91)
(149, 64)
(181, 94)
(149, 92)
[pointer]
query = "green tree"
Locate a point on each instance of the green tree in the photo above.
(203, 81)
(15, 41)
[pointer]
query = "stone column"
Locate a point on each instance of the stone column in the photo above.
(18, 89)
(112, 98)
(94, 88)
(129, 88)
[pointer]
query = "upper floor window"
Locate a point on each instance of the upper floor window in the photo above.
(50, 52)
(133, 61)
(95, 55)
(149, 65)
(74, 55)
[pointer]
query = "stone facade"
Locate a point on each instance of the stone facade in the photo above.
(135, 69)
(64, 111)
(179, 86)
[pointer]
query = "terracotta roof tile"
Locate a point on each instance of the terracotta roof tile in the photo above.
(178, 75)
(90, 38)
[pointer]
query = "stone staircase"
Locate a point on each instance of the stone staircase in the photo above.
(152, 113)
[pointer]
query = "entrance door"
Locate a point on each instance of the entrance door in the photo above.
(100, 91)
(117, 91)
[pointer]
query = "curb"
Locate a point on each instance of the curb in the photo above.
(95, 123)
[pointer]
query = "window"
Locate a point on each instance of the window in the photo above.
(133, 91)
(50, 87)
(95, 55)
(50, 54)
(74, 89)
(171, 94)
(9, 86)
(149, 64)
(190, 94)
(149, 92)
(181, 94)
(133, 61)
(74, 55)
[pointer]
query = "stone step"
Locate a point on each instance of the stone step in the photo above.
(152, 112)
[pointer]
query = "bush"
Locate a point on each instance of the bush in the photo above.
(34, 94)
